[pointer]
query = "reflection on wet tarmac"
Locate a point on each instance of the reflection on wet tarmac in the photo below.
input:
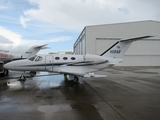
(122, 95)
(3, 86)
(49, 95)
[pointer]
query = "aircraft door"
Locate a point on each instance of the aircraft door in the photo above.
(49, 62)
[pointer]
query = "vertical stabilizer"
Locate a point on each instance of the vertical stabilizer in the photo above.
(119, 48)
(33, 50)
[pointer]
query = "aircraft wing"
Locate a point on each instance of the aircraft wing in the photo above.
(80, 72)
(85, 75)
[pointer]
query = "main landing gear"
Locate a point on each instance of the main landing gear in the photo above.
(75, 80)
(71, 79)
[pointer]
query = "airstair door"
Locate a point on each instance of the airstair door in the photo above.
(49, 63)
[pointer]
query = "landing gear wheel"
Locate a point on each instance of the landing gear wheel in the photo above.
(22, 78)
(5, 73)
(75, 80)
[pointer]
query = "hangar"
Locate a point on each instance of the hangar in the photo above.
(98, 38)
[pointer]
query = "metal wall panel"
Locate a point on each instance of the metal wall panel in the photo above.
(98, 38)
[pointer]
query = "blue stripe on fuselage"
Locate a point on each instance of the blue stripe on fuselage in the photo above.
(67, 64)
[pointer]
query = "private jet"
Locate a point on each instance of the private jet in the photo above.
(75, 66)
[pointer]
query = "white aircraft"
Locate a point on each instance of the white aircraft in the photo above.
(75, 66)
(6, 57)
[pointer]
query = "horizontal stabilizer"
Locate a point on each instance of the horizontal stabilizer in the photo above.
(134, 39)
(41, 46)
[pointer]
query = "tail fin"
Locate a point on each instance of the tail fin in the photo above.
(119, 48)
(33, 50)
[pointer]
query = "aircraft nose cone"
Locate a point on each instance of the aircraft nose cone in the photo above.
(9, 66)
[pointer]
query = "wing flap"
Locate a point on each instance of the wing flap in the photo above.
(89, 75)
(85, 75)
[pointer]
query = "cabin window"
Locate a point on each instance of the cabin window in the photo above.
(39, 58)
(32, 58)
(57, 58)
(73, 58)
(65, 58)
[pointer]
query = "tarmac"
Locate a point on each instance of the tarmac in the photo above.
(128, 93)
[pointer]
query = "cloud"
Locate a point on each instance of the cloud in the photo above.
(4, 40)
(13, 37)
(15, 43)
(126, 11)
(56, 39)
(70, 14)
(75, 14)
(23, 21)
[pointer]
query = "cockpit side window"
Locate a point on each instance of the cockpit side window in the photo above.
(32, 58)
(39, 58)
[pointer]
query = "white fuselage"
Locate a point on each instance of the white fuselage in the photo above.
(58, 63)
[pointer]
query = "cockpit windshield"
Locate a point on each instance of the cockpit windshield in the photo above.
(39, 58)
(32, 58)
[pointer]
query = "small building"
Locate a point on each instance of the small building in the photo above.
(98, 38)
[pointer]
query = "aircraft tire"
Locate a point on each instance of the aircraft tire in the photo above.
(22, 78)
(75, 80)
(5, 73)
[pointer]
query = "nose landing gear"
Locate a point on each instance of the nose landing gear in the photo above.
(22, 78)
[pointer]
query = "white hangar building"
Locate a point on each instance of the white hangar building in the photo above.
(98, 38)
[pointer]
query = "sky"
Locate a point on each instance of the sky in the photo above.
(58, 23)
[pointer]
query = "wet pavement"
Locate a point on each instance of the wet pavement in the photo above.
(128, 93)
